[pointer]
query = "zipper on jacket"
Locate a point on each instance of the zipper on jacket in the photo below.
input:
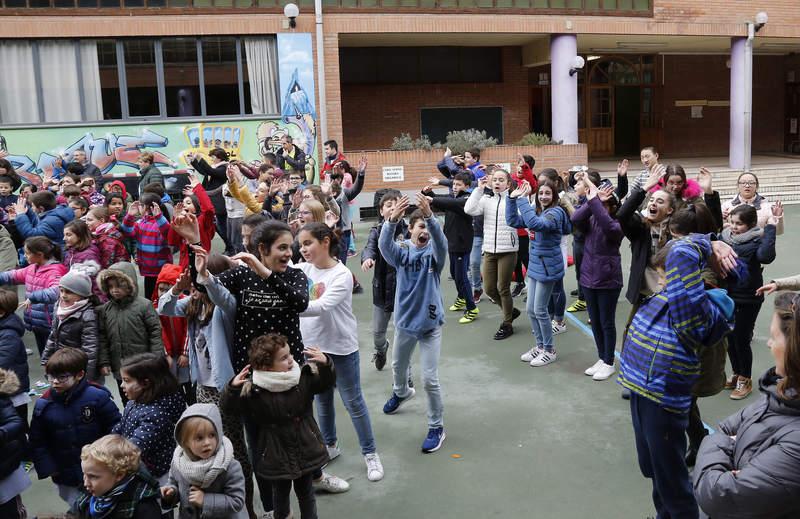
(496, 214)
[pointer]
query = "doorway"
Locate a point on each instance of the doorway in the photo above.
(626, 120)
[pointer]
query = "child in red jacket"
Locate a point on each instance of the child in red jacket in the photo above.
(523, 172)
(196, 202)
(173, 332)
(107, 237)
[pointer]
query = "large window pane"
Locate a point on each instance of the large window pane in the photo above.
(140, 75)
(109, 78)
(181, 79)
(219, 72)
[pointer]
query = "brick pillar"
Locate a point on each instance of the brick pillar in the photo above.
(333, 90)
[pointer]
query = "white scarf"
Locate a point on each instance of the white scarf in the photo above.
(202, 473)
(64, 312)
(277, 381)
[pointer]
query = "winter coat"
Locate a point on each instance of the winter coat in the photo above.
(13, 356)
(150, 427)
(457, 223)
(205, 222)
(86, 261)
(788, 283)
(12, 427)
(545, 259)
(602, 266)
(79, 330)
(289, 442)
(766, 452)
(498, 236)
(289, 164)
(9, 259)
(139, 499)
(660, 355)
(49, 224)
(526, 173)
(109, 242)
(127, 326)
(41, 287)
(150, 234)
(224, 497)
(150, 175)
(762, 206)
(384, 278)
(262, 306)
(173, 328)
(755, 252)
(63, 423)
(214, 177)
(219, 333)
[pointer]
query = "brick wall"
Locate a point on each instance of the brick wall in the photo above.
(372, 115)
(708, 77)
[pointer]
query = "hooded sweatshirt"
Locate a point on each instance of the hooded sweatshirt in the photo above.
(173, 328)
(219, 476)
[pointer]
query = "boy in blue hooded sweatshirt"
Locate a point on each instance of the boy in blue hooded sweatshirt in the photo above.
(660, 363)
(419, 310)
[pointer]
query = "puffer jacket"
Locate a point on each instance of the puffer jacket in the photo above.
(757, 251)
(384, 279)
(63, 423)
(41, 287)
(150, 427)
(78, 330)
(457, 223)
(602, 265)
(498, 236)
(108, 240)
(289, 441)
(12, 351)
(49, 224)
(127, 326)
(150, 175)
(762, 206)
(12, 427)
(173, 328)
(86, 261)
(766, 454)
(545, 261)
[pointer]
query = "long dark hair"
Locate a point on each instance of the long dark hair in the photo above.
(43, 245)
(320, 231)
(693, 218)
(553, 189)
(267, 233)
(81, 230)
(152, 372)
(787, 310)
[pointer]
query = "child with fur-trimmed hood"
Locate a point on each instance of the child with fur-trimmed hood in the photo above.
(204, 477)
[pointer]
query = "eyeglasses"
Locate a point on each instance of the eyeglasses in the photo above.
(747, 183)
(60, 378)
(305, 213)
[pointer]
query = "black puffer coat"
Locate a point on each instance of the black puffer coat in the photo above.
(766, 454)
(289, 441)
(384, 279)
(79, 330)
(12, 428)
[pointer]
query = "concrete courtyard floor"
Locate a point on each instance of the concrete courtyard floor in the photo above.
(521, 442)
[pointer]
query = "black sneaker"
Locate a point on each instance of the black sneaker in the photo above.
(514, 314)
(358, 289)
(626, 393)
(574, 293)
(518, 288)
(379, 359)
(505, 331)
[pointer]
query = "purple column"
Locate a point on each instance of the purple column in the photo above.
(738, 104)
(564, 88)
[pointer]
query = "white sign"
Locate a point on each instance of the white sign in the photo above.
(505, 166)
(393, 174)
(697, 112)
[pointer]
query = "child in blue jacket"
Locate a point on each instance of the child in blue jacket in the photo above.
(13, 356)
(43, 218)
(72, 413)
(419, 310)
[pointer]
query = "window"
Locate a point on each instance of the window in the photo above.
(181, 76)
(109, 79)
(220, 70)
(140, 77)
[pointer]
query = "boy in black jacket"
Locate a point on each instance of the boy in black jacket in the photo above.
(384, 281)
(458, 230)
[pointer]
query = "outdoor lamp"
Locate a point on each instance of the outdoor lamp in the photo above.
(577, 64)
(761, 20)
(291, 11)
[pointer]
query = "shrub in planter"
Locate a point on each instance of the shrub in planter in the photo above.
(405, 142)
(462, 140)
(536, 139)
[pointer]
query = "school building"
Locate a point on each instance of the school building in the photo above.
(714, 81)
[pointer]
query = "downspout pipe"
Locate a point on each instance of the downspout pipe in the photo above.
(748, 97)
(322, 117)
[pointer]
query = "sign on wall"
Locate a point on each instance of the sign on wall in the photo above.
(393, 174)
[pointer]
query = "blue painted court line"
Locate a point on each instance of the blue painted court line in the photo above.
(588, 331)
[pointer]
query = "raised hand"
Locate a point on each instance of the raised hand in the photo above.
(200, 261)
(591, 189)
(622, 168)
(155, 209)
(326, 188)
(655, 175)
(362, 164)
(186, 226)
(183, 283)
(424, 204)
(241, 377)
(605, 193)
(20, 207)
(434, 181)
(135, 209)
(297, 198)
(254, 263)
(483, 181)
(315, 355)
(523, 190)
(331, 219)
(704, 178)
(777, 209)
(399, 209)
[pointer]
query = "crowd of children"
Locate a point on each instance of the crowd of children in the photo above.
(221, 359)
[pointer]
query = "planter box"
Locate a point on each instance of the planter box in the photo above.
(418, 166)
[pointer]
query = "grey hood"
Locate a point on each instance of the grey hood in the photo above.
(209, 412)
(123, 272)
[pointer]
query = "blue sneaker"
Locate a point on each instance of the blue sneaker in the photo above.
(393, 404)
(434, 440)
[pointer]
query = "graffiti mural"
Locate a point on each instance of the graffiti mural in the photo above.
(115, 148)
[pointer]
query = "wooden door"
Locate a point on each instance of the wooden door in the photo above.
(600, 140)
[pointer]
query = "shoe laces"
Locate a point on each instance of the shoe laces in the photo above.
(740, 384)
(433, 433)
(373, 461)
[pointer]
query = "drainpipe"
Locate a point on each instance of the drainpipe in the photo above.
(322, 117)
(748, 96)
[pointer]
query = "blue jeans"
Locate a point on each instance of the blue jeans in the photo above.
(459, 269)
(539, 293)
(348, 381)
(558, 301)
(430, 347)
(601, 303)
(475, 263)
(380, 323)
(344, 246)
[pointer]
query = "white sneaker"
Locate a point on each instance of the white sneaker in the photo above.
(591, 371)
(332, 484)
(559, 328)
(604, 372)
(544, 358)
(333, 451)
(530, 354)
(374, 467)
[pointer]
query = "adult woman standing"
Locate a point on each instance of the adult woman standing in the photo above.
(214, 177)
(747, 185)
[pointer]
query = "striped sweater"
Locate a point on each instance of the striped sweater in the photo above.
(151, 242)
(660, 355)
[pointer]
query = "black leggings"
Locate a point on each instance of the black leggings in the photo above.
(522, 258)
(303, 489)
(740, 351)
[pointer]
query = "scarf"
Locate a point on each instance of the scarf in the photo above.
(277, 381)
(62, 312)
(120, 501)
(737, 239)
(202, 473)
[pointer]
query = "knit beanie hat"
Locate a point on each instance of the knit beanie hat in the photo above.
(77, 283)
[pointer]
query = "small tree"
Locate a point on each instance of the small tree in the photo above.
(460, 141)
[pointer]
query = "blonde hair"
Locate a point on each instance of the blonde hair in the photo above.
(190, 427)
(316, 208)
(119, 455)
(147, 157)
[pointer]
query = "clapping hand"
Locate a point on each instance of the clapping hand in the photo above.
(524, 189)
(605, 193)
(424, 205)
(186, 226)
(399, 209)
(19, 207)
(704, 178)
